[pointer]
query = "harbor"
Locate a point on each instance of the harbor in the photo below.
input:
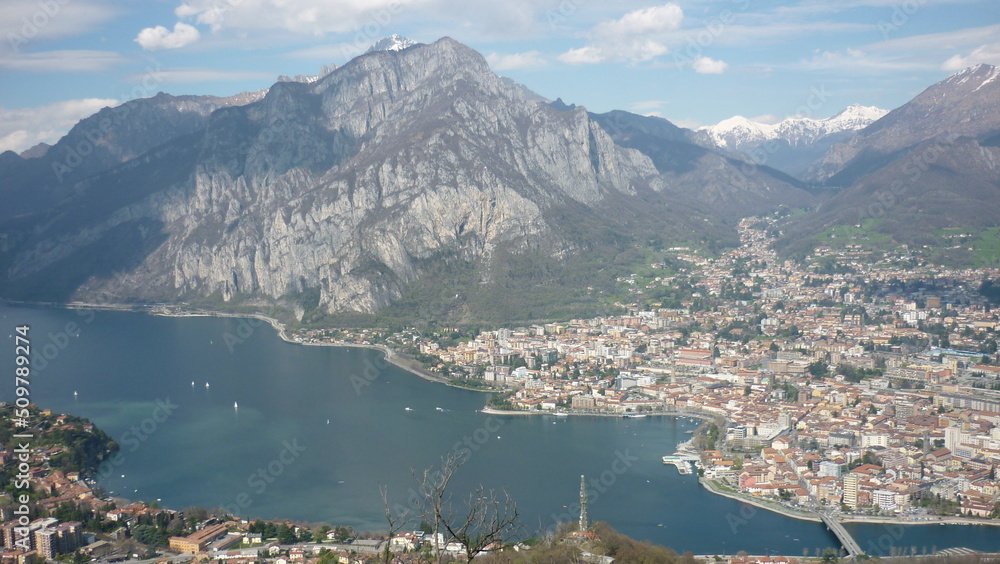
(686, 459)
(684, 464)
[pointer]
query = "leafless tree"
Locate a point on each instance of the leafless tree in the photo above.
(396, 523)
(487, 519)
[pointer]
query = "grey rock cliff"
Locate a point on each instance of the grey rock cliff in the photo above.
(337, 195)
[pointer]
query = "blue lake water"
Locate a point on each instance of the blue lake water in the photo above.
(318, 430)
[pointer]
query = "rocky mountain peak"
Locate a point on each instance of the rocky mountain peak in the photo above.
(854, 117)
(405, 168)
(394, 42)
(309, 79)
(976, 76)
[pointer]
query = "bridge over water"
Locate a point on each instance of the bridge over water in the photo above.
(845, 538)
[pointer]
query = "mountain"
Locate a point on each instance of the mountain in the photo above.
(35, 151)
(100, 142)
(928, 168)
(393, 42)
(792, 145)
(963, 104)
(308, 79)
(726, 187)
(404, 178)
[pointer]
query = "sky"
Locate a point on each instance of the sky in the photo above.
(694, 62)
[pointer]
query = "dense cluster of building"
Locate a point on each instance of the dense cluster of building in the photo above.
(869, 383)
(40, 539)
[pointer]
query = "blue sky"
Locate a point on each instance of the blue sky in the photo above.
(693, 62)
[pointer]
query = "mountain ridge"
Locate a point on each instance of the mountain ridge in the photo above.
(347, 193)
(927, 167)
(405, 177)
(792, 145)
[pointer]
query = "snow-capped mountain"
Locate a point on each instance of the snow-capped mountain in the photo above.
(394, 42)
(736, 133)
(963, 104)
(928, 165)
(982, 72)
(792, 145)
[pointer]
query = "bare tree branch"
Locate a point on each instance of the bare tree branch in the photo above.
(395, 521)
(486, 520)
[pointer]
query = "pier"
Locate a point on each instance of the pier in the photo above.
(845, 538)
(684, 463)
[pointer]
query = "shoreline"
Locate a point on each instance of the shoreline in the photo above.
(806, 515)
(711, 486)
(167, 310)
(494, 411)
(394, 358)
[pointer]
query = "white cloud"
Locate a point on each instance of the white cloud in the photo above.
(706, 65)
(858, 60)
(635, 37)
(525, 60)
(27, 21)
(769, 119)
(62, 61)
(655, 19)
(647, 106)
(312, 17)
(687, 123)
(23, 128)
(583, 55)
(194, 74)
(367, 21)
(159, 37)
(989, 54)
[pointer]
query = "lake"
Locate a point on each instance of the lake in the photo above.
(220, 412)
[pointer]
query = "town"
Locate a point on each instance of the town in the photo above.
(863, 386)
(864, 383)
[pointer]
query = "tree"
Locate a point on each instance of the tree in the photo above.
(396, 522)
(342, 534)
(285, 534)
(146, 534)
(486, 519)
(819, 369)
